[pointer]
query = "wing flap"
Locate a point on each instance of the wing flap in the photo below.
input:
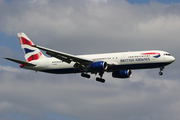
(20, 62)
(65, 59)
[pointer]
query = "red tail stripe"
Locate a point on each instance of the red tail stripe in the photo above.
(34, 57)
(25, 41)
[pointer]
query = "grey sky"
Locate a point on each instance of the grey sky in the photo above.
(82, 27)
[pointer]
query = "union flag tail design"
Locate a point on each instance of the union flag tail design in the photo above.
(30, 53)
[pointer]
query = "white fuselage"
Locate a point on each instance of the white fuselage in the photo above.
(117, 61)
(120, 63)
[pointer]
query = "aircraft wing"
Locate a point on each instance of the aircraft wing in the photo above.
(20, 62)
(64, 56)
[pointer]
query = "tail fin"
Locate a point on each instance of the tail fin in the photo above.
(30, 53)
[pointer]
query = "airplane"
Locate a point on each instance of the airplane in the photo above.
(120, 64)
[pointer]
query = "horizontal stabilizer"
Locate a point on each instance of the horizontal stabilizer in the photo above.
(20, 62)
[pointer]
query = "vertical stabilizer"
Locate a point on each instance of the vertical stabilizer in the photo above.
(30, 53)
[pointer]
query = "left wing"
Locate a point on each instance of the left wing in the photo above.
(80, 63)
(64, 56)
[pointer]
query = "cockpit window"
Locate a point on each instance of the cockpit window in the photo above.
(167, 54)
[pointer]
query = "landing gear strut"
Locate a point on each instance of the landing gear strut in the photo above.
(100, 79)
(161, 69)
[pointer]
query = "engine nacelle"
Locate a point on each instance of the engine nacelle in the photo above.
(98, 66)
(122, 74)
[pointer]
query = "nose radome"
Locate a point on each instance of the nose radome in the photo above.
(169, 59)
(173, 59)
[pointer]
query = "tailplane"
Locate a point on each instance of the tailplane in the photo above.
(30, 53)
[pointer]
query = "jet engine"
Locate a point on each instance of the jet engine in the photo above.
(122, 74)
(98, 66)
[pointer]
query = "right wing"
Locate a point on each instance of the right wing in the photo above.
(20, 62)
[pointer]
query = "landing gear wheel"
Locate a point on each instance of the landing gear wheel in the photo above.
(85, 75)
(100, 80)
(160, 73)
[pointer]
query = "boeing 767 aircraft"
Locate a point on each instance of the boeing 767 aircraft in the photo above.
(120, 63)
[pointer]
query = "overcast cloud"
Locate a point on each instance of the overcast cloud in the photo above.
(82, 27)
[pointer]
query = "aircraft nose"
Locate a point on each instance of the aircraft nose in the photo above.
(171, 59)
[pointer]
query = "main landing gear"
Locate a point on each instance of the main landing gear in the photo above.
(85, 75)
(161, 69)
(99, 79)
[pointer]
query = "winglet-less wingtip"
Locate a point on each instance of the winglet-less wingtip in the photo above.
(34, 45)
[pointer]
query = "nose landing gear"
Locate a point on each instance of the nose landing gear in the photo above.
(161, 69)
